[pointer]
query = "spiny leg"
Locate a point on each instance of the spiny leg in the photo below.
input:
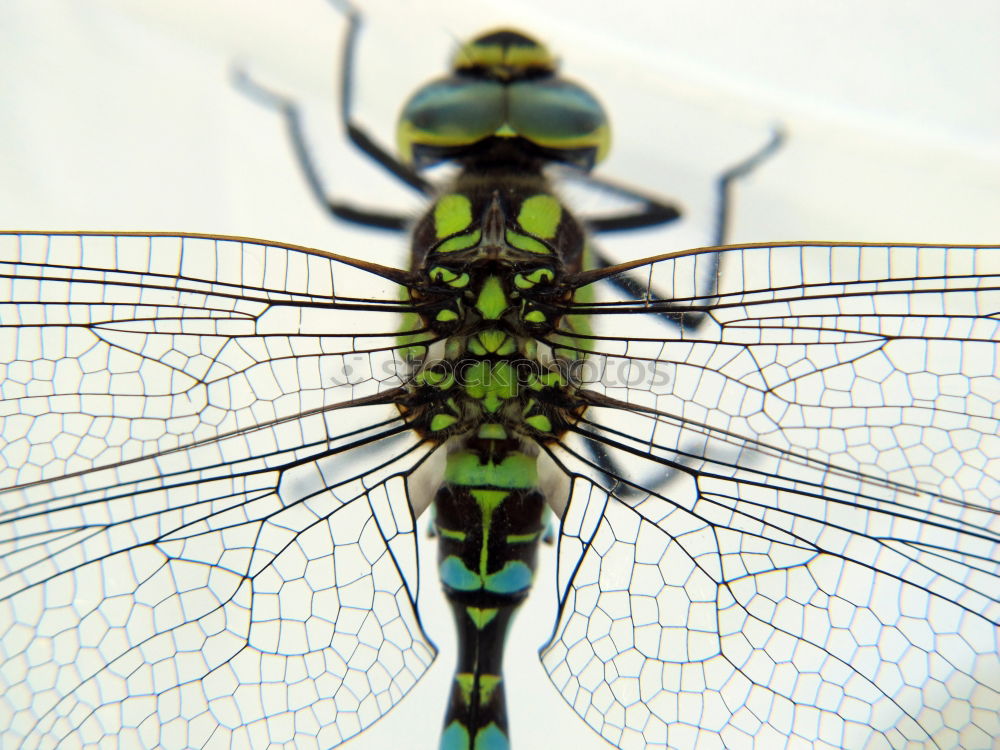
(609, 468)
(687, 320)
(357, 136)
(651, 212)
(724, 183)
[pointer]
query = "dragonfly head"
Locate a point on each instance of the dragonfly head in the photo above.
(504, 86)
(505, 55)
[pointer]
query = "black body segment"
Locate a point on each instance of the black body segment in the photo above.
(488, 542)
(491, 253)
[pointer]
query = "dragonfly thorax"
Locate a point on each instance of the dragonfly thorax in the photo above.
(493, 262)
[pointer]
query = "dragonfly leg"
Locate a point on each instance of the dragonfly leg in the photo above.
(614, 473)
(357, 135)
(680, 315)
(651, 212)
(296, 136)
(685, 318)
(724, 183)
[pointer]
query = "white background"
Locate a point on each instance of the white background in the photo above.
(120, 115)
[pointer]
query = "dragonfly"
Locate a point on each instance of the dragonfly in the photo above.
(774, 492)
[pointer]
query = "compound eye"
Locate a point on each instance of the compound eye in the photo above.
(449, 113)
(559, 115)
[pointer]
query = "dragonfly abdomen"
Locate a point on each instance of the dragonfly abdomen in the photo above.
(488, 538)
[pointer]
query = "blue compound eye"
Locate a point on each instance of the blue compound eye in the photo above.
(450, 113)
(559, 115)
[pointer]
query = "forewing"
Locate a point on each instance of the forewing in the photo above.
(802, 548)
(881, 360)
(120, 346)
(235, 563)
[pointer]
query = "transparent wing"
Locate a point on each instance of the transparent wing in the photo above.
(226, 556)
(801, 543)
(119, 346)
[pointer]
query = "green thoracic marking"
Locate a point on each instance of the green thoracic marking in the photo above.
(446, 316)
(555, 379)
(492, 402)
(535, 316)
(550, 379)
(436, 378)
(526, 243)
(498, 378)
(492, 302)
(461, 242)
(491, 384)
(526, 281)
(492, 342)
(529, 348)
(438, 273)
(454, 347)
(540, 215)
(452, 214)
(540, 422)
(495, 342)
(492, 431)
(449, 277)
(481, 617)
(476, 347)
(516, 471)
(442, 421)
(410, 337)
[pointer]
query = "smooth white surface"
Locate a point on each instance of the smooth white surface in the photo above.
(120, 115)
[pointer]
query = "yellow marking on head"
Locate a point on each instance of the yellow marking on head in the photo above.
(505, 52)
